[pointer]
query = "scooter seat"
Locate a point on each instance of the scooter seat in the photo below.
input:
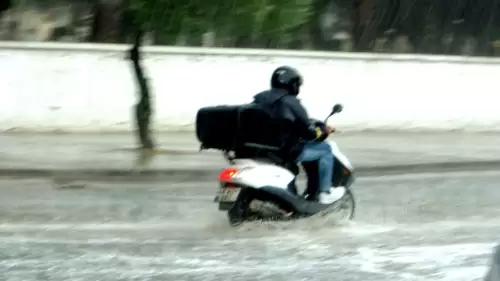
(270, 153)
(261, 146)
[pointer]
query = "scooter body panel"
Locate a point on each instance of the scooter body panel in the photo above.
(273, 182)
(256, 174)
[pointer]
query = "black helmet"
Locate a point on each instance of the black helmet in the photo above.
(287, 78)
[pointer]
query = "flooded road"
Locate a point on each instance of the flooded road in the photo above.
(420, 227)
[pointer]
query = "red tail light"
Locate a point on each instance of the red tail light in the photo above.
(228, 174)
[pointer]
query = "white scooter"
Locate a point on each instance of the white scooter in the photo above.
(257, 189)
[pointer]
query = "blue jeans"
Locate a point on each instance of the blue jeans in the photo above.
(321, 152)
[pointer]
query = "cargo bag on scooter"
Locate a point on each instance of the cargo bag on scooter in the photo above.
(217, 127)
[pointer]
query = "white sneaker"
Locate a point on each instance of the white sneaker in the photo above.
(335, 194)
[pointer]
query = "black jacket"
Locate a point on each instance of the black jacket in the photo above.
(283, 106)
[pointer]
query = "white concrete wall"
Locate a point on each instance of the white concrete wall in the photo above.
(78, 88)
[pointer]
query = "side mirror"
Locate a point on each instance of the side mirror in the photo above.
(337, 108)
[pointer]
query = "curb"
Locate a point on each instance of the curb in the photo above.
(171, 175)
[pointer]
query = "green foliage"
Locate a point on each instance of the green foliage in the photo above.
(422, 26)
(266, 21)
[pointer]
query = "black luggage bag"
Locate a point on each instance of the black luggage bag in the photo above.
(217, 126)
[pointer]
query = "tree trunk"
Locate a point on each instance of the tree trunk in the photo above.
(143, 109)
(4, 5)
(364, 32)
(108, 21)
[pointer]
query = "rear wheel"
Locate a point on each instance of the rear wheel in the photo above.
(240, 211)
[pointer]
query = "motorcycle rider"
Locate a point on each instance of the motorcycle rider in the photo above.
(281, 100)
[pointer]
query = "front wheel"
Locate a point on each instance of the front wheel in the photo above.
(343, 210)
(347, 206)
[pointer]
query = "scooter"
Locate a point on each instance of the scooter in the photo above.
(255, 189)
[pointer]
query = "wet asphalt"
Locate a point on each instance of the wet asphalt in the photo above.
(415, 227)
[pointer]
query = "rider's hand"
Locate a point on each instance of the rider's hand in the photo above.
(330, 129)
